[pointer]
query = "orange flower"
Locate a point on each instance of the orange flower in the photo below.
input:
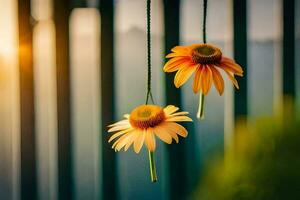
(205, 60)
(144, 123)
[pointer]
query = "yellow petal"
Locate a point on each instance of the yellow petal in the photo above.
(122, 122)
(180, 49)
(197, 81)
(184, 74)
(179, 119)
(235, 68)
(163, 134)
(231, 77)
(123, 142)
(226, 59)
(119, 127)
(179, 113)
(172, 60)
(170, 109)
(229, 61)
(150, 140)
(180, 130)
(206, 79)
(218, 80)
(174, 64)
(174, 135)
(172, 55)
(231, 69)
(119, 140)
(130, 140)
(126, 116)
(119, 134)
(139, 141)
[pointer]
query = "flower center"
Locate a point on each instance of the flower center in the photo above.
(206, 54)
(146, 116)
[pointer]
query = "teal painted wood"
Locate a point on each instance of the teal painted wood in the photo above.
(28, 148)
(176, 153)
(109, 177)
(62, 11)
(289, 66)
(240, 55)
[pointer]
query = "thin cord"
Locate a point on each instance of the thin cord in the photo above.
(204, 20)
(200, 113)
(149, 94)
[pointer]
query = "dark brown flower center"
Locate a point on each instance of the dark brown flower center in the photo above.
(146, 116)
(206, 54)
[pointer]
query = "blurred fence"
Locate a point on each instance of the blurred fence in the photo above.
(68, 68)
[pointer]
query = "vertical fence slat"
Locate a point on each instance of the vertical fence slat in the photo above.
(289, 48)
(109, 178)
(28, 158)
(79, 3)
(176, 153)
(240, 55)
(65, 172)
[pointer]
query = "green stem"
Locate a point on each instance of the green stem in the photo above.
(200, 113)
(152, 166)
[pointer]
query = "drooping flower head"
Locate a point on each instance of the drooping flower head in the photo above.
(205, 60)
(146, 122)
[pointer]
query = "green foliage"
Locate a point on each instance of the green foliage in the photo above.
(264, 164)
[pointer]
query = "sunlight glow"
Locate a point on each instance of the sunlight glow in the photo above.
(9, 102)
(8, 29)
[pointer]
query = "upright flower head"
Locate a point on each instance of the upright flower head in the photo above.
(144, 123)
(205, 60)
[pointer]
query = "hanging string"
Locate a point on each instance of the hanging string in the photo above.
(200, 113)
(204, 20)
(149, 94)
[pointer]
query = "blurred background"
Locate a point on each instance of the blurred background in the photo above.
(68, 68)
